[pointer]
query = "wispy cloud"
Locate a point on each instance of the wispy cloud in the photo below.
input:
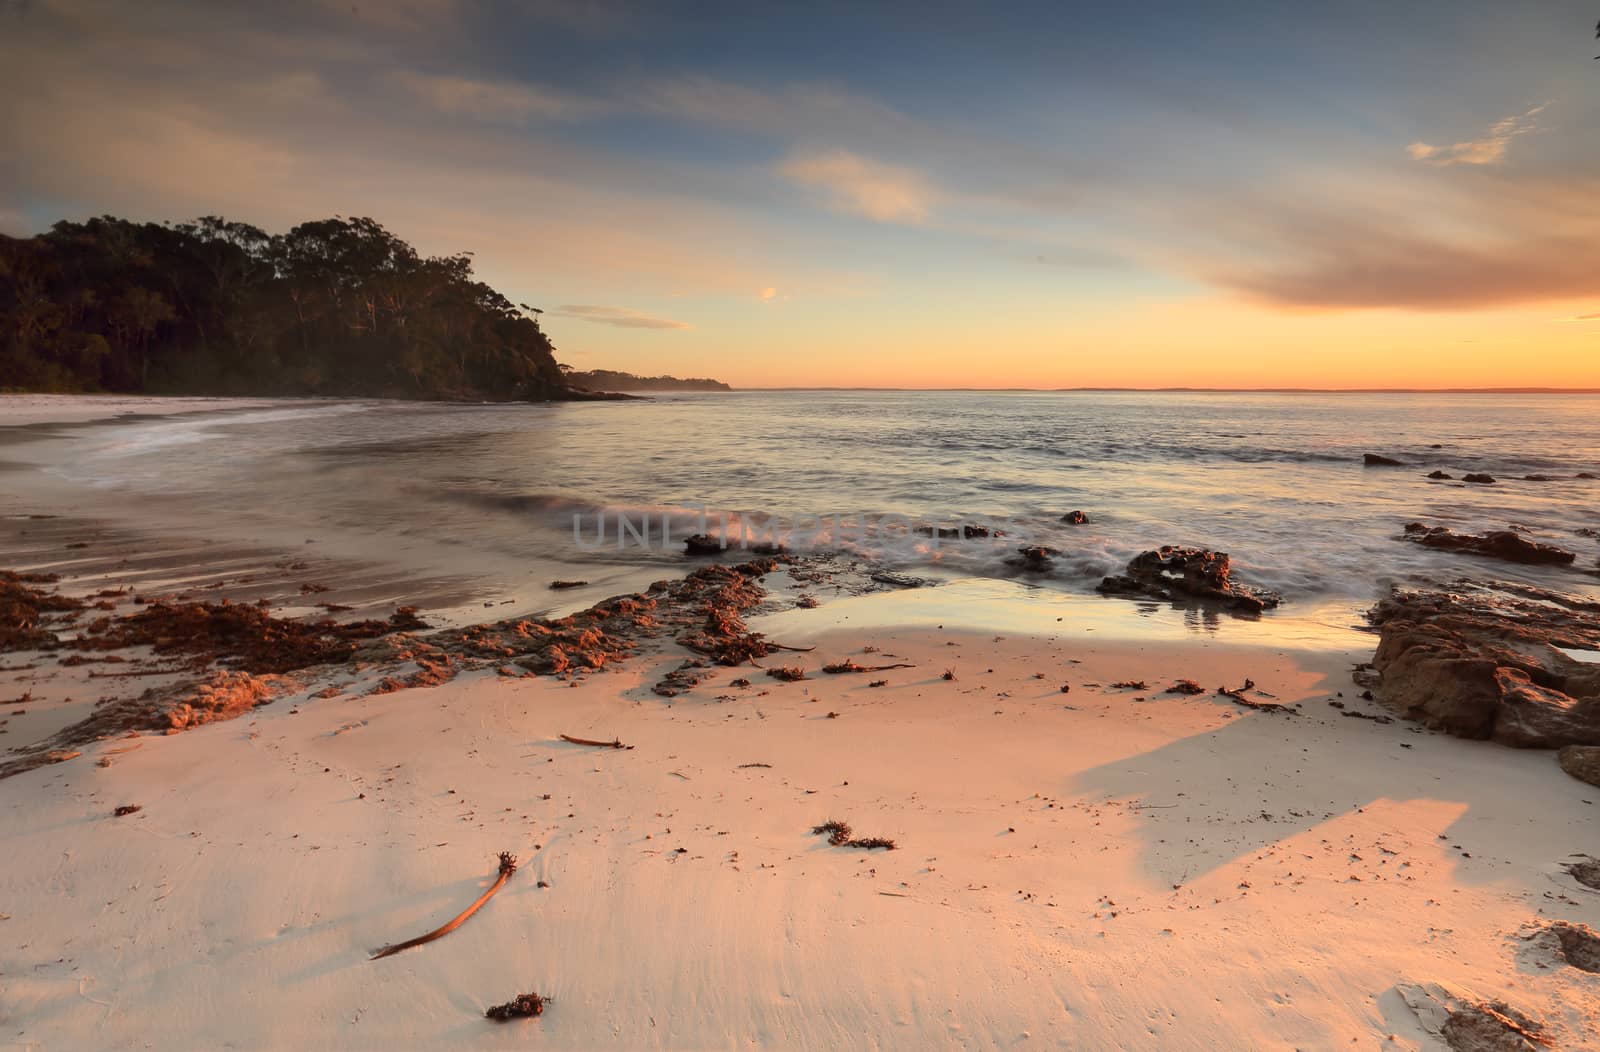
(882, 192)
(621, 317)
(766, 295)
(1491, 149)
(494, 99)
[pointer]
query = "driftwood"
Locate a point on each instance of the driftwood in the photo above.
(1236, 695)
(847, 665)
(615, 743)
(508, 866)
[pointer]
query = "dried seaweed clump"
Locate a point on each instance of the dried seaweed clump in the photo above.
(841, 835)
(523, 1006)
(24, 611)
(245, 637)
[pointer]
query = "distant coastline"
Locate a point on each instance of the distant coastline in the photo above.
(612, 380)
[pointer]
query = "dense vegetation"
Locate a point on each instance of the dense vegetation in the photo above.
(333, 307)
(613, 380)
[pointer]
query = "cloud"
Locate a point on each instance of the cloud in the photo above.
(882, 192)
(1491, 149)
(494, 99)
(767, 295)
(621, 317)
(1585, 317)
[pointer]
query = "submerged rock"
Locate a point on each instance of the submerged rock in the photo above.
(1439, 475)
(1074, 518)
(1034, 559)
(1479, 477)
(1175, 573)
(1496, 544)
(700, 544)
(1492, 666)
(1373, 460)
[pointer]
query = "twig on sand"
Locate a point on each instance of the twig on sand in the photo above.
(615, 743)
(1236, 695)
(524, 1005)
(847, 665)
(508, 866)
(755, 765)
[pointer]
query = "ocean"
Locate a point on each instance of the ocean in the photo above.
(1277, 480)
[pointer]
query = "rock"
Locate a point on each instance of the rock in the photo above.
(1373, 460)
(1538, 478)
(900, 580)
(700, 544)
(1492, 667)
(1490, 1028)
(1480, 478)
(1034, 559)
(1582, 762)
(1175, 573)
(1074, 518)
(1439, 475)
(1586, 475)
(1496, 544)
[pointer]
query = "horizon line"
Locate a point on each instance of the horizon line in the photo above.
(1191, 390)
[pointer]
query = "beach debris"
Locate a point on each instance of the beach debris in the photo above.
(840, 835)
(1185, 686)
(1376, 460)
(787, 673)
(879, 683)
(742, 766)
(949, 675)
(1176, 574)
(615, 743)
(1496, 544)
(127, 809)
(740, 682)
(1130, 684)
(1237, 696)
(1492, 663)
(849, 665)
(557, 586)
(806, 602)
(523, 1006)
(508, 866)
(1075, 518)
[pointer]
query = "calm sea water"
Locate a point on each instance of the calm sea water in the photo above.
(1276, 480)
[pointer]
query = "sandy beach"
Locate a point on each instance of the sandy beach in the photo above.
(1083, 855)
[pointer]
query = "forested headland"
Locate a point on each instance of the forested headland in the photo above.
(334, 307)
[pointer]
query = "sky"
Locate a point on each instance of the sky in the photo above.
(911, 195)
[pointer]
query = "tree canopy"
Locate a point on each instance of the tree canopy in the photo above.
(333, 307)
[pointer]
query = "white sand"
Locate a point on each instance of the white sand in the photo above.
(1085, 870)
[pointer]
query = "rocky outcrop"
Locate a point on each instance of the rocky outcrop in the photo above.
(1496, 544)
(1176, 574)
(1582, 762)
(1437, 475)
(1373, 460)
(1489, 665)
(1479, 477)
